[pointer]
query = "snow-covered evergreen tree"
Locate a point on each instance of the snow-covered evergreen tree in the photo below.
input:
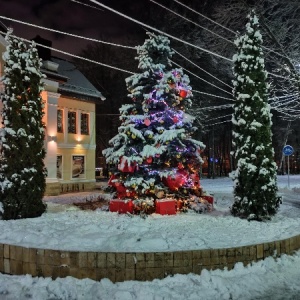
(22, 170)
(154, 152)
(255, 186)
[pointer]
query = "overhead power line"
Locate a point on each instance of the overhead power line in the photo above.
(284, 96)
(208, 125)
(73, 55)
(205, 17)
(282, 77)
(201, 78)
(216, 118)
(159, 31)
(191, 62)
(99, 41)
(66, 33)
(88, 5)
(189, 20)
(216, 107)
(228, 29)
(211, 95)
(99, 63)
(113, 67)
(284, 111)
(94, 40)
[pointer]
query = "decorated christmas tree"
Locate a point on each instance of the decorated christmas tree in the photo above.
(22, 171)
(153, 156)
(255, 187)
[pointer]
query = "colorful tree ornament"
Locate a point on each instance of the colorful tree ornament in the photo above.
(183, 93)
(149, 160)
(147, 122)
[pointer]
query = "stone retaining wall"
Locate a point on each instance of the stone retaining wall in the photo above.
(17, 260)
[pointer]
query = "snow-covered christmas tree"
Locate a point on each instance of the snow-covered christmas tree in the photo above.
(255, 186)
(22, 171)
(154, 153)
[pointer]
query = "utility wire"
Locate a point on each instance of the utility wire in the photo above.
(282, 110)
(92, 61)
(113, 44)
(173, 37)
(218, 123)
(159, 31)
(72, 55)
(214, 32)
(279, 76)
(126, 71)
(285, 103)
(177, 14)
(216, 107)
(284, 96)
(112, 67)
(211, 95)
(201, 78)
(229, 115)
(201, 68)
(204, 121)
(88, 5)
(65, 33)
(226, 28)
(99, 41)
(203, 16)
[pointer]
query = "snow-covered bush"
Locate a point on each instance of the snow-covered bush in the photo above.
(22, 170)
(255, 186)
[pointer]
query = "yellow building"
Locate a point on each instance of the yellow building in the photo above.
(70, 120)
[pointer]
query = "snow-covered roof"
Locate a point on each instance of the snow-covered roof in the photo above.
(74, 83)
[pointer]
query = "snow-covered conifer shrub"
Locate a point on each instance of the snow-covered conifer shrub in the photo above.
(255, 186)
(22, 170)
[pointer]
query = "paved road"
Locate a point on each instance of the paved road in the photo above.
(290, 197)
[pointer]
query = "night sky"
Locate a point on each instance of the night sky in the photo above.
(71, 17)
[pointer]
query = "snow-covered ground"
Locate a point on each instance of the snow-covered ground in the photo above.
(265, 280)
(65, 227)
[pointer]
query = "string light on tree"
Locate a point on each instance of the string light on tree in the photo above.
(154, 151)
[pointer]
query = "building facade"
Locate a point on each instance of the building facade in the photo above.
(70, 119)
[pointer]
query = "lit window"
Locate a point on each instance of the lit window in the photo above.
(72, 122)
(84, 124)
(60, 120)
(59, 166)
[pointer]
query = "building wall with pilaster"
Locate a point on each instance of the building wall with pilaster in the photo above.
(77, 145)
(64, 149)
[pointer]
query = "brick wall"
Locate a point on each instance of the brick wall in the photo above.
(118, 267)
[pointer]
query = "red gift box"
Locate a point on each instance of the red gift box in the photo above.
(165, 207)
(121, 206)
(209, 199)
